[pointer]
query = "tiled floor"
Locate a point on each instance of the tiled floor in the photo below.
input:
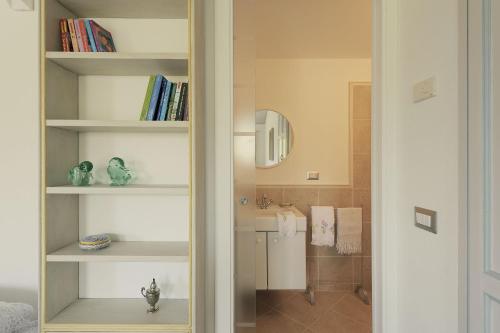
(289, 312)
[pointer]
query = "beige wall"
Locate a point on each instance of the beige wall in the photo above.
(19, 148)
(314, 95)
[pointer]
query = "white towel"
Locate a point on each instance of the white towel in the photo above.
(349, 228)
(323, 226)
(287, 223)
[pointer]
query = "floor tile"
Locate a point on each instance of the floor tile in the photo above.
(262, 308)
(275, 322)
(352, 307)
(298, 308)
(337, 323)
(273, 297)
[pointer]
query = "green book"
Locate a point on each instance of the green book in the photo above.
(147, 99)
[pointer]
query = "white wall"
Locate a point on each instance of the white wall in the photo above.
(19, 149)
(427, 168)
(314, 95)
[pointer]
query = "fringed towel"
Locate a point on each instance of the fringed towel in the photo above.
(323, 226)
(287, 224)
(349, 228)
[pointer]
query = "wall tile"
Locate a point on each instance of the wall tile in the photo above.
(273, 193)
(362, 102)
(312, 272)
(362, 198)
(367, 273)
(357, 270)
(336, 287)
(301, 197)
(336, 197)
(334, 270)
(362, 171)
(367, 239)
(362, 136)
(327, 251)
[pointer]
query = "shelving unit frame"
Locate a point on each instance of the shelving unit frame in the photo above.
(119, 64)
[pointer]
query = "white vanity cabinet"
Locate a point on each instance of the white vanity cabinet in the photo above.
(261, 260)
(286, 261)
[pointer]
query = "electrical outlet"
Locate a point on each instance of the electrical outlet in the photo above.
(424, 90)
(312, 175)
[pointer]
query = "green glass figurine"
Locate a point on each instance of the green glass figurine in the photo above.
(118, 173)
(81, 174)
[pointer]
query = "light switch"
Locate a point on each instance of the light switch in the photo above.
(424, 90)
(425, 219)
(312, 175)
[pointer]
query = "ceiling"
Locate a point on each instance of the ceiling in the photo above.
(313, 28)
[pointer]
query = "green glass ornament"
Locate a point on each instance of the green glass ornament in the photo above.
(81, 175)
(118, 173)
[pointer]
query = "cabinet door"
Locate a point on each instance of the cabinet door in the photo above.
(261, 260)
(286, 261)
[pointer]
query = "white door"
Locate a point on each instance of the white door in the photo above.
(484, 166)
(286, 261)
(261, 260)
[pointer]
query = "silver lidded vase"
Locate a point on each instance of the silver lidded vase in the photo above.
(152, 296)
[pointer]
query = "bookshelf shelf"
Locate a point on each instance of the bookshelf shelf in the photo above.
(178, 190)
(120, 126)
(157, 9)
(125, 251)
(106, 311)
(119, 63)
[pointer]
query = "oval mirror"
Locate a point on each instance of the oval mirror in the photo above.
(273, 138)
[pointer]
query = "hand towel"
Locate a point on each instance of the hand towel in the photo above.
(287, 224)
(349, 228)
(323, 226)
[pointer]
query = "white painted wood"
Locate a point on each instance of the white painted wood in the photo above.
(61, 221)
(484, 166)
(21, 5)
(129, 189)
(125, 279)
(120, 126)
(125, 251)
(61, 285)
(261, 260)
(286, 257)
(117, 63)
(156, 9)
(123, 312)
(62, 92)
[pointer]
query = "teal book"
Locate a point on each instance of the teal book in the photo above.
(147, 98)
(153, 104)
(165, 95)
(90, 35)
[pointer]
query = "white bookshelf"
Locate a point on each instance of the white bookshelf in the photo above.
(120, 126)
(91, 103)
(125, 251)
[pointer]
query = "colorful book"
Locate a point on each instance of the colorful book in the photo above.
(182, 101)
(72, 33)
(102, 37)
(83, 32)
(176, 101)
(186, 111)
(171, 100)
(90, 35)
(160, 98)
(147, 98)
(65, 36)
(162, 110)
(153, 105)
(79, 36)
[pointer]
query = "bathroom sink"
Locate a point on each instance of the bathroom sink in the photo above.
(266, 219)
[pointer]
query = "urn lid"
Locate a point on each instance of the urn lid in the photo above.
(153, 288)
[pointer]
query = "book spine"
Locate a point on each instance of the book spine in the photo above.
(90, 34)
(72, 33)
(83, 32)
(181, 101)
(154, 98)
(162, 113)
(93, 27)
(79, 36)
(176, 101)
(147, 98)
(160, 98)
(171, 100)
(186, 111)
(65, 38)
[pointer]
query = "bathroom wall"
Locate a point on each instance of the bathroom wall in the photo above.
(326, 269)
(314, 95)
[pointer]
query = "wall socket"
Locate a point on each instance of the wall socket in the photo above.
(426, 219)
(312, 175)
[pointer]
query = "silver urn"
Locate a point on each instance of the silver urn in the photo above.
(152, 296)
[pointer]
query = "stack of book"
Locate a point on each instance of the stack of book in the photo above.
(165, 100)
(84, 35)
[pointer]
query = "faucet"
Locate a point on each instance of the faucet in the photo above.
(264, 202)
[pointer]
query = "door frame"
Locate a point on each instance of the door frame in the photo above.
(385, 49)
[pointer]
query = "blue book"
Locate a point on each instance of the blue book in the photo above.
(162, 113)
(154, 98)
(91, 35)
